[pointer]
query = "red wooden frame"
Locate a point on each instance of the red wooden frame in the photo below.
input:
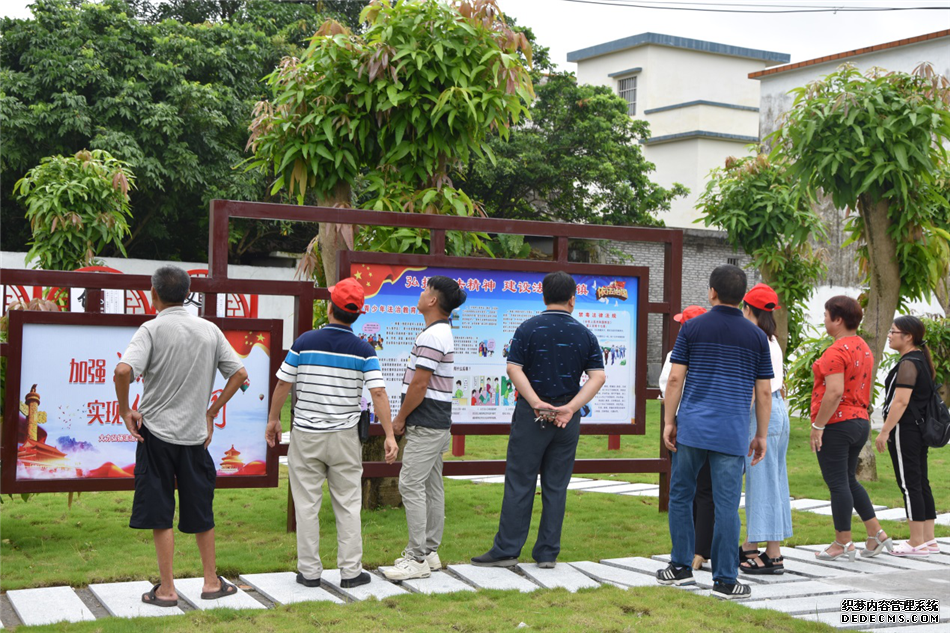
(637, 425)
(14, 351)
(305, 293)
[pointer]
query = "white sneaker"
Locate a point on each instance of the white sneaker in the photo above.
(407, 569)
(435, 564)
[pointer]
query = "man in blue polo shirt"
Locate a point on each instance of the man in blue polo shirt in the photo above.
(719, 361)
(328, 369)
(547, 356)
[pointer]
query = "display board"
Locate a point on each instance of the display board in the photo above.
(498, 302)
(64, 431)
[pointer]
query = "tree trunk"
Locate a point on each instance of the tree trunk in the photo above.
(781, 316)
(884, 286)
(380, 492)
(335, 237)
(942, 290)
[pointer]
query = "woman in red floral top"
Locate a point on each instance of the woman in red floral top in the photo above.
(840, 426)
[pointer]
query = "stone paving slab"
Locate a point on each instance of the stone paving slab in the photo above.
(615, 575)
(791, 589)
(283, 588)
(807, 504)
(377, 587)
(598, 483)
(804, 562)
(891, 514)
(654, 492)
(884, 560)
(495, 479)
(438, 582)
(860, 565)
(826, 511)
(625, 488)
(47, 605)
(812, 604)
(493, 578)
(704, 575)
(945, 540)
(124, 600)
(190, 590)
(834, 619)
(943, 519)
(563, 576)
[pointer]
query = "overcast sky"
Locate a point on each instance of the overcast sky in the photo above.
(565, 25)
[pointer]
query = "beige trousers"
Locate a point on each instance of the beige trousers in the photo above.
(337, 458)
(420, 484)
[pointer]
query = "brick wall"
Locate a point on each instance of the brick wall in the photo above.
(703, 250)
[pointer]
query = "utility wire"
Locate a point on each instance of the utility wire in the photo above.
(664, 6)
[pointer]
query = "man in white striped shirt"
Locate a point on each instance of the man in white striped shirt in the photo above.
(328, 368)
(426, 416)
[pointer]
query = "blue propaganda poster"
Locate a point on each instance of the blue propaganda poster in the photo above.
(498, 302)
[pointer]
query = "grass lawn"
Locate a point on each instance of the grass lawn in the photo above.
(44, 543)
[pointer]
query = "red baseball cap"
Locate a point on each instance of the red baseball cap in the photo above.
(347, 295)
(691, 312)
(762, 297)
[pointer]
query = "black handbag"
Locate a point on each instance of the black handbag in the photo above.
(934, 422)
(363, 426)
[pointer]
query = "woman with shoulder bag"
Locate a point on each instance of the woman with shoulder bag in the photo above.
(907, 389)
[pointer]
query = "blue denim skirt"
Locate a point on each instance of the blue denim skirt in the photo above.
(767, 506)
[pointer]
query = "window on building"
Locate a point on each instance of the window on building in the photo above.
(627, 89)
(733, 260)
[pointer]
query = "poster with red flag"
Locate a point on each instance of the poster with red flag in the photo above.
(68, 423)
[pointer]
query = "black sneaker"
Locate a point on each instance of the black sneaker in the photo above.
(362, 579)
(726, 591)
(307, 582)
(487, 561)
(675, 575)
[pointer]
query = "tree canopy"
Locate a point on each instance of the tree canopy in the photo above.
(875, 143)
(577, 159)
(171, 99)
(392, 110)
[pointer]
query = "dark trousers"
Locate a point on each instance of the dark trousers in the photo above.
(531, 450)
(838, 459)
(909, 456)
(704, 512)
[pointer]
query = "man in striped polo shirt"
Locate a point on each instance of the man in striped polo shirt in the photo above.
(328, 369)
(426, 415)
(720, 360)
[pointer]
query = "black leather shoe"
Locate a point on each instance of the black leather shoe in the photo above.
(487, 561)
(349, 583)
(307, 582)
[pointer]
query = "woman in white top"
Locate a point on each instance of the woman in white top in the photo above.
(767, 506)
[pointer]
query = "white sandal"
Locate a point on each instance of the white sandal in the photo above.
(871, 553)
(906, 549)
(933, 546)
(850, 553)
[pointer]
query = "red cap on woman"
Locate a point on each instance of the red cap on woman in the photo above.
(762, 297)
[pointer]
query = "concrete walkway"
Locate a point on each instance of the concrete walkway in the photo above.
(810, 589)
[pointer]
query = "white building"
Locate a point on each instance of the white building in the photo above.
(902, 55)
(697, 96)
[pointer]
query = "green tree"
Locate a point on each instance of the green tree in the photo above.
(170, 99)
(577, 160)
(391, 111)
(764, 213)
(875, 144)
(77, 206)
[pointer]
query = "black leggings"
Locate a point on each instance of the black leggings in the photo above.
(704, 512)
(838, 459)
(909, 456)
